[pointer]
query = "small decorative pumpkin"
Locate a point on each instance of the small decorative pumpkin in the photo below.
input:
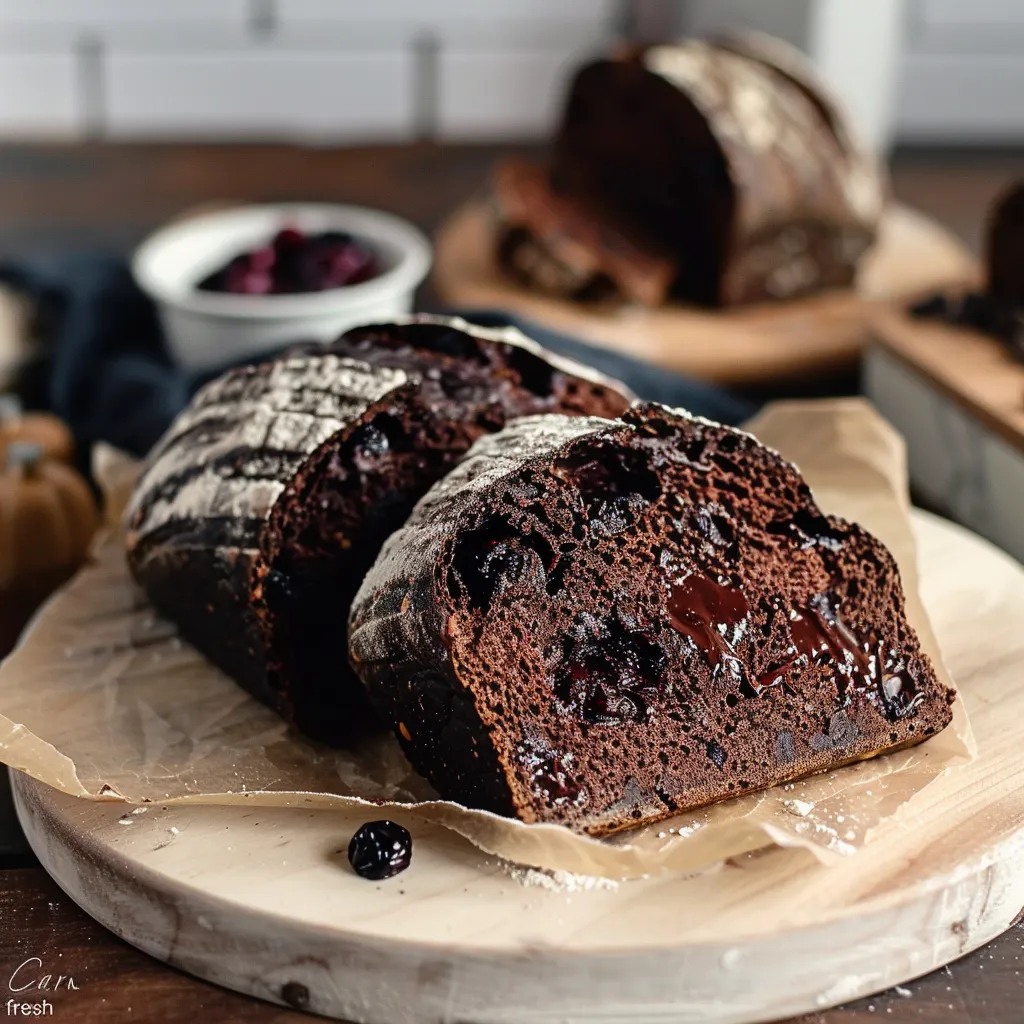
(43, 429)
(47, 517)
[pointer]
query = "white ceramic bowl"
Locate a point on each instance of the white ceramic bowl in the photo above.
(208, 329)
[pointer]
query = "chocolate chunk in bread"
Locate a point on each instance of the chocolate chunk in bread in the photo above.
(601, 624)
(261, 509)
(724, 160)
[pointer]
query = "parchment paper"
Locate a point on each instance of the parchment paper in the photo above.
(103, 701)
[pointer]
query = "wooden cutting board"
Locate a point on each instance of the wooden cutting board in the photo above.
(262, 900)
(978, 373)
(757, 345)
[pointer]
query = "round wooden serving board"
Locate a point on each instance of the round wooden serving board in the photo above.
(753, 346)
(262, 900)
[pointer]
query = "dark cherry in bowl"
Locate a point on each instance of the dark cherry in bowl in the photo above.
(294, 263)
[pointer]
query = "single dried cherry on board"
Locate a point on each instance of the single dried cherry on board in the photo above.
(380, 849)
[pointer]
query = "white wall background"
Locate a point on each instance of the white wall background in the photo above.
(963, 71)
(393, 70)
(332, 69)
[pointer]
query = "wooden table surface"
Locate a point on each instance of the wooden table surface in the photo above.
(111, 194)
(54, 198)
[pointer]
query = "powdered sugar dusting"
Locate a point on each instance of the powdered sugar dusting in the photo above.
(559, 881)
(230, 454)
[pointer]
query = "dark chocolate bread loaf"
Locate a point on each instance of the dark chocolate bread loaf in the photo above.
(1005, 249)
(726, 158)
(602, 623)
(560, 246)
(261, 509)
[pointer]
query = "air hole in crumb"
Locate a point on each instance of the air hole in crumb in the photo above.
(534, 373)
(370, 443)
(716, 755)
(496, 556)
(616, 485)
(613, 678)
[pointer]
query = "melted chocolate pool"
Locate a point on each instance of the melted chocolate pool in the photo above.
(706, 611)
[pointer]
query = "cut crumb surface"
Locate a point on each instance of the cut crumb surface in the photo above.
(558, 881)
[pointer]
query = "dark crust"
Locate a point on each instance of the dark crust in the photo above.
(219, 529)
(748, 212)
(488, 676)
(199, 510)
